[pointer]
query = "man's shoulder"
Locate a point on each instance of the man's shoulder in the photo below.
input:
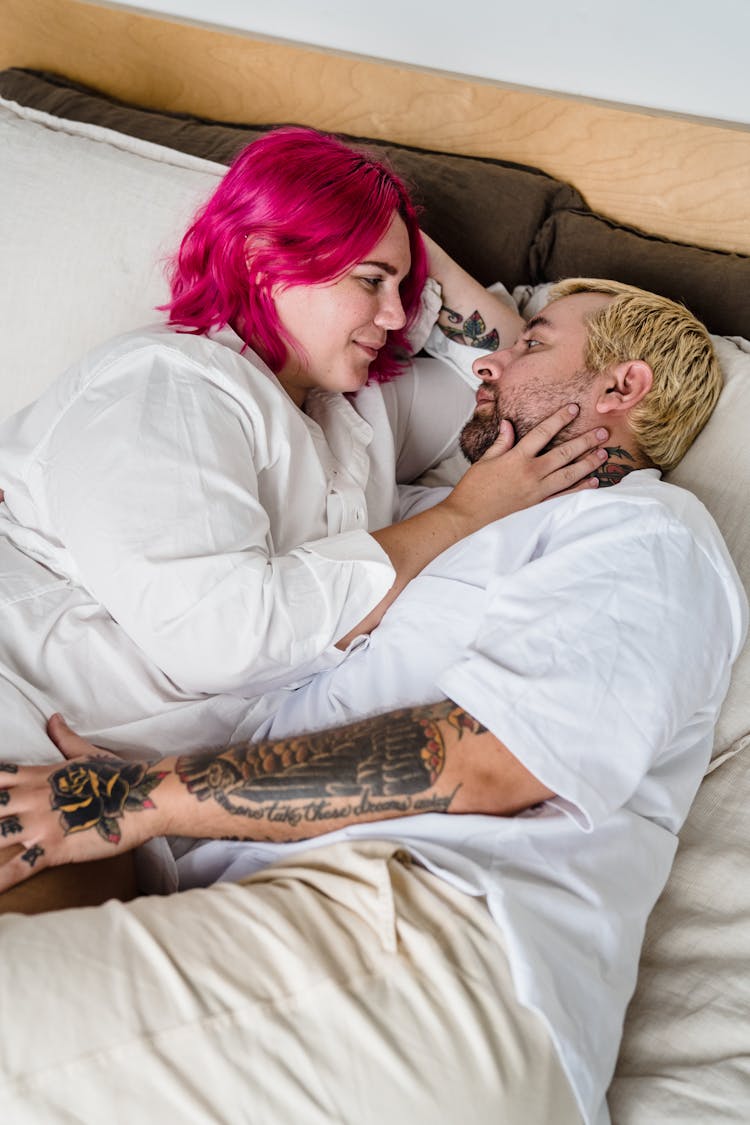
(644, 498)
(670, 530)
(643, 513)
(669, 507)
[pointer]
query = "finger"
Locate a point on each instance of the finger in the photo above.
(15, 780)
(584, 485)
(11, 828)
(502, 443)
(21, 866)
(577, 472)
(573, 449)
(8, 773)
(542, 434)
(70, 744)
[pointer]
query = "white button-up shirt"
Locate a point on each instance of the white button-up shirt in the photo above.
(203, 534)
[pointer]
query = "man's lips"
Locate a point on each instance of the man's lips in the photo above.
(485, 395)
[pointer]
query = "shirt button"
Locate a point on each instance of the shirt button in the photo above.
(358, 515)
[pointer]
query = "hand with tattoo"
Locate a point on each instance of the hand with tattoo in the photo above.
(72, 812)
(431, 759)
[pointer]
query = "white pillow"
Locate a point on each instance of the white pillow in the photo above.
(87, 216)
(717, 469)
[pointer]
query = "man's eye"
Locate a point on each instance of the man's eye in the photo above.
(531, 343)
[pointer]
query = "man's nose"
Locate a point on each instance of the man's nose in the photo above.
(490, 367)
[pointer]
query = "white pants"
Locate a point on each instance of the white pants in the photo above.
(346, 986)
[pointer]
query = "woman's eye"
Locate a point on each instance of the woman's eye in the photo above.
(372, 282)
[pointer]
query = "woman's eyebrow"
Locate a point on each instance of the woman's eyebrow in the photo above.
(386, 267)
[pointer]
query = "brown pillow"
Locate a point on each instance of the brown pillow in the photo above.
(501, 221)
(713, 284)
(484, 212)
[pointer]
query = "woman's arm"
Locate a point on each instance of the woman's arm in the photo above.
(434, 758)
(469, 314)
(506, 479)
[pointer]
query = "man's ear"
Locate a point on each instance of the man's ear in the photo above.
(623, 386)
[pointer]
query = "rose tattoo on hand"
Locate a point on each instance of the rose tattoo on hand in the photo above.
(96, 794)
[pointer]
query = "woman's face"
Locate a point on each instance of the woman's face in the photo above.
(342, 325)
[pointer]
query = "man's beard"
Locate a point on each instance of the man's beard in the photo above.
(482, 430)
(478, 434)
(532, 407)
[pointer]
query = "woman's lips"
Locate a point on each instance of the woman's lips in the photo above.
(370, 350)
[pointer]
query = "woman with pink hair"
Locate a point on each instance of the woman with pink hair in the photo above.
(206, 509)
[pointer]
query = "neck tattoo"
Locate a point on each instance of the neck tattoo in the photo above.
(615, 468)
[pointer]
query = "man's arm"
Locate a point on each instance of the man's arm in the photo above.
(423, 759)
(470, 314)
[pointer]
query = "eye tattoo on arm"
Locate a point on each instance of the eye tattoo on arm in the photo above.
(471, 330)
(383, 765)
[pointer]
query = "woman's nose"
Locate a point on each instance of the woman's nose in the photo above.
(391, 315)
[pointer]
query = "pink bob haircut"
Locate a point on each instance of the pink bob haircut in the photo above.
(296, 207)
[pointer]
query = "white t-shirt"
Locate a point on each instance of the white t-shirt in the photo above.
(178, 536)
(593, 634)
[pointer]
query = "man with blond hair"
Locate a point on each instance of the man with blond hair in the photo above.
(442, 905)
(673, 344)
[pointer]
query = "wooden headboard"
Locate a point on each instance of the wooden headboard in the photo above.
(682, 178)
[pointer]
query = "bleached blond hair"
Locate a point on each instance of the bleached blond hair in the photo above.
(637, 325)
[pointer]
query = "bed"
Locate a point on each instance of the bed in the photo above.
(107, 153)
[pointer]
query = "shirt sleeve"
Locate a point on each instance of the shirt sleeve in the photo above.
(596, 659)
(153, 484)
(429, 310)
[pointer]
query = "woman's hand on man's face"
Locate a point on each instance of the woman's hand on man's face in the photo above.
(514, 475)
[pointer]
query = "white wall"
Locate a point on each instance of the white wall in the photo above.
(688, 56)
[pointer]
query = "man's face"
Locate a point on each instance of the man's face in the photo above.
(541, 372)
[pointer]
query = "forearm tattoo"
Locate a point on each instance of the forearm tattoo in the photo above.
(93, 793)
(613, 470)
(386, 765)
(470, 330)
